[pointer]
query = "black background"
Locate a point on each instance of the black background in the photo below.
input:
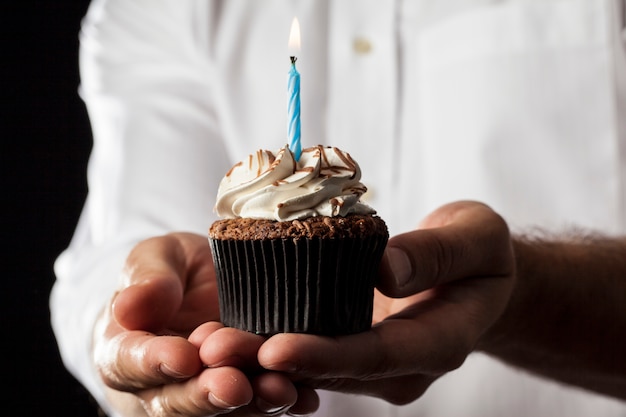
(45, 146)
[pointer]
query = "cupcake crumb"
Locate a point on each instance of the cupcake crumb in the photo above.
(351, 226)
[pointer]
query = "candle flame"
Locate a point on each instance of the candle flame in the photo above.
(294, 37)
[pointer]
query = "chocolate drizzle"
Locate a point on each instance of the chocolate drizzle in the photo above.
(325, 181)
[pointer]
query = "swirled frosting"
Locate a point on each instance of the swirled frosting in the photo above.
(325, 181)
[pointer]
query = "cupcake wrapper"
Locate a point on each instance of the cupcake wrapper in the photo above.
(321, 286)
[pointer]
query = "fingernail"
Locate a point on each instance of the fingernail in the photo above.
(267, 407)
(292, 414)
(288, 367)
(221, 403)
(400, 266)
(166, 370)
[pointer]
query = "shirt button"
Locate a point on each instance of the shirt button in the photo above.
(362, 46)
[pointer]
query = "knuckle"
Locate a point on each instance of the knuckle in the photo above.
(405, 390)
(434, 261)
(400, 397)
(443, 256)
(454, 359)
(116, 379)
(157, 404)
(401, 394)
(452, 355)
(113, 370)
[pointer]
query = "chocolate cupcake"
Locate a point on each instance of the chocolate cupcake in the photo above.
(296, 250)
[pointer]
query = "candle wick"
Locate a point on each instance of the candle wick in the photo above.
(293, 60)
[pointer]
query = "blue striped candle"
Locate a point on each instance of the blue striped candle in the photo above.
(293, 129)
(293, 91)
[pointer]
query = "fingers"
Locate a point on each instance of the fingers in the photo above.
(226, 390)
(307, 402)
(459, 240)
(214, 391)
(231, 347)
(135, 360)
(274, 393)
(167, 374)
(226, 346)
(395, 348)
(312, 363)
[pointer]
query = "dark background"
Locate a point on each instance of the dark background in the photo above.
(45, 146)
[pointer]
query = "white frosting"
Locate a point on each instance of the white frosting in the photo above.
(324, 182)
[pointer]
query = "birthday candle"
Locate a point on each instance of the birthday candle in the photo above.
(293, 91)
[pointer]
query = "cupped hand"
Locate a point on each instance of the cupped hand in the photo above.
(441, 288)
(149, 338)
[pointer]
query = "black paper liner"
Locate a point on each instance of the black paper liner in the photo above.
(320, 286)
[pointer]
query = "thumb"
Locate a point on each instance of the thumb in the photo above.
(459, 240)
(154, 283)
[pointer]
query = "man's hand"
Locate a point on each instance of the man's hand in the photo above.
(450, 281)
(148, 342)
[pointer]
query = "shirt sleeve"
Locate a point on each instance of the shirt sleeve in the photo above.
(157, 157)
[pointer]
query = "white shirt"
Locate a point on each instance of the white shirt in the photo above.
(517, 103)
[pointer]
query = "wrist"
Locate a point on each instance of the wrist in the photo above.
(502, 333)
(566, 312)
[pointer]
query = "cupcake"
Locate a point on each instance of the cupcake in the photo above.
(296, 250)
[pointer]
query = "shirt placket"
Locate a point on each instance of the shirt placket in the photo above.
(362, 82)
